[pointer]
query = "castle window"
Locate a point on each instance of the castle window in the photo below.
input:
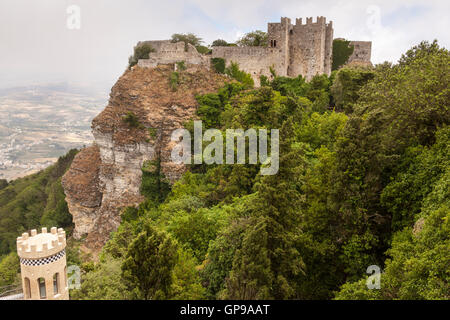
(56, 284)
(27, 289)
(42, 291)
(274, 43)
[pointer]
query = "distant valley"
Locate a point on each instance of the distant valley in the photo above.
(40, 123)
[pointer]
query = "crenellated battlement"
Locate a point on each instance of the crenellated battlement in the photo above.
(310, 21)
(44, 244)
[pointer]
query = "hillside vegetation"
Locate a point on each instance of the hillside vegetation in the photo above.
(363, 180)
(32, 202)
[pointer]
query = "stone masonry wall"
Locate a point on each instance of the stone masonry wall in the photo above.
(167, 52)
(300, 49)
(254, 60)
(293, 49)
(362, 51)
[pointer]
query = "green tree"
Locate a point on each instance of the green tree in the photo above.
(149, 264)
(273, 233)
(218, 65)
(219, 43)
(187, 38)
(103, 283)
(347, 85)
(9, 269)
(342, 50)
(140, 52)
(154, 185)
(255, 38)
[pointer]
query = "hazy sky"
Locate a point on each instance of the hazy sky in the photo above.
(36, 46)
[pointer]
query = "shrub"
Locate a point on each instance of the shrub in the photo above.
(203, 50)
(218, 64)
(131, 119)
(140, 52)
(187, 38)
(241, 76)
(174, 80)
(219, 43)
(181, 66)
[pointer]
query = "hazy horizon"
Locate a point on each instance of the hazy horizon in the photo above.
(37, 46)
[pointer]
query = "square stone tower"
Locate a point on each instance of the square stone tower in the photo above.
(305, 49)
(279, 41)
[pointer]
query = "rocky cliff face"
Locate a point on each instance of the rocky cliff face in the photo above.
(106, 177)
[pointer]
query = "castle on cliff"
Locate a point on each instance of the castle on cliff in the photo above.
(293, 49)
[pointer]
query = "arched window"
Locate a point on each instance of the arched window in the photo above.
(56, 284)
(27, 289)
(42, 291)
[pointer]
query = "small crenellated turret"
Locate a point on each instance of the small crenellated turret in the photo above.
(43, 264)
(41, 245)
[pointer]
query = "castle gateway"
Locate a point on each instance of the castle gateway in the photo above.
(293, 49)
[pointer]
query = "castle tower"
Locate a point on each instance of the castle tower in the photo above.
(278, 39)
(310, 49)
(43, 265)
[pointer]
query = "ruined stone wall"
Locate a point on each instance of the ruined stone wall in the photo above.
(254, 60)
(302, 49)
(167, 52)
(362, 52)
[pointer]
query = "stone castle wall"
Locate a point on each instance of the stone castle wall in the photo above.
(362, 52)
(293, 49)
(256, 61)
(300, 49)
(167, 52)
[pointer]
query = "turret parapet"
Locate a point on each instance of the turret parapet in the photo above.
(309, 21)
(285, 21)
(41, 245)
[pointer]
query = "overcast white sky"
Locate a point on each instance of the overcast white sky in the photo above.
(37, 47)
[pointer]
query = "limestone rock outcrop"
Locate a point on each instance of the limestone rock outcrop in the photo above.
(106, 177)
